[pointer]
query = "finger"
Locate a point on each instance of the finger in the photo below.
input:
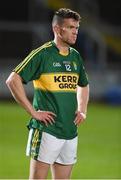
(51, 113)
(78, 122)
(81, 121)
(44, 121)
(75, 121)
(48, 120)
(77, 116)
(47, 112)
(51, 118)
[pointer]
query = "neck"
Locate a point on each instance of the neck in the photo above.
(62, 46)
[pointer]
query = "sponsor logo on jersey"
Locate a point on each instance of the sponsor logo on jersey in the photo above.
(57, 82)
(66, 81)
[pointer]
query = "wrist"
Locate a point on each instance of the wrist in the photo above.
(32, 112)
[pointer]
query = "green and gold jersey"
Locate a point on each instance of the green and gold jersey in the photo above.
(55, 78)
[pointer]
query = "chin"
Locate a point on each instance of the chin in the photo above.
(72, 43)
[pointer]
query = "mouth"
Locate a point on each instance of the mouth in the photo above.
(74, 38)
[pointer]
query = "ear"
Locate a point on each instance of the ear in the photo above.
(56, 29)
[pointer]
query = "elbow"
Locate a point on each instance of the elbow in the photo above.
(12, 79)
(9, 81)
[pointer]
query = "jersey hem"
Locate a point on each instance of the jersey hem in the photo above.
(59, 136)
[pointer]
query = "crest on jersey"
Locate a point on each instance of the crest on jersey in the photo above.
(75, 65)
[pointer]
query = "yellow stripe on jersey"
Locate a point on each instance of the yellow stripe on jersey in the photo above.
(30, 56)
(57, 82)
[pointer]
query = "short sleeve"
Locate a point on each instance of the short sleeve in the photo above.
(31, 67)
(83, 79)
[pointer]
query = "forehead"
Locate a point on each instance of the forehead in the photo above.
(70, 22)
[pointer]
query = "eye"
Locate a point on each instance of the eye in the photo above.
(73, 27)
(77, 28)
(69, 27)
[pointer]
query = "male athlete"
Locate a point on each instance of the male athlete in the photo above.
(61, 93)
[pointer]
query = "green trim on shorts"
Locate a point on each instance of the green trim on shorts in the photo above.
(35, 143)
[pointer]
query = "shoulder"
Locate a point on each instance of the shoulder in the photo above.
(76, 54)
(42, 49)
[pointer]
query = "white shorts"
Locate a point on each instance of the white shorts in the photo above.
(49, 149)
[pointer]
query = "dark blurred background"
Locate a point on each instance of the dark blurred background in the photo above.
(25, 25)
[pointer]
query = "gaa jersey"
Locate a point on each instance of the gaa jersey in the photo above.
(55, 78)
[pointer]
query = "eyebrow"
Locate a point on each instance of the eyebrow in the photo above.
(77, 27)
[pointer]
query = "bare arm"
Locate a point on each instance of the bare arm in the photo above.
(82, 102)
(82, 98)
(14, 83)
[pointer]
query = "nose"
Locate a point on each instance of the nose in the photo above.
(75, 31)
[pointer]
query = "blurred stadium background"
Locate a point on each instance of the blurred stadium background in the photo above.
(25, 25)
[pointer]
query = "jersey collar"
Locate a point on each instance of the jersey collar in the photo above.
(62, 54)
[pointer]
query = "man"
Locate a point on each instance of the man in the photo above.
(61, 93)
